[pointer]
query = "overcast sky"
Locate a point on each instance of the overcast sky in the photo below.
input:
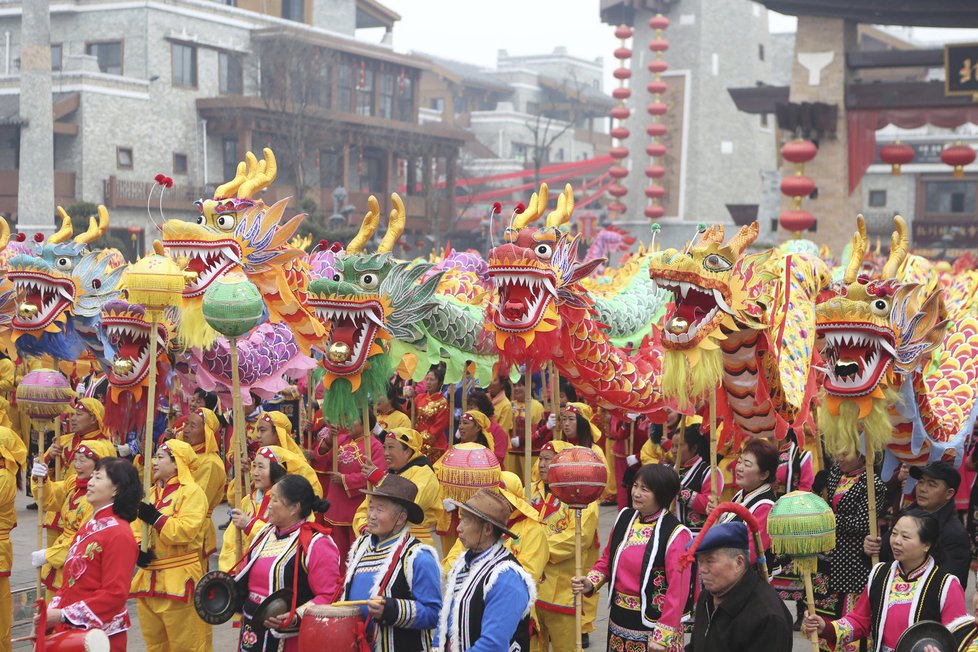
(471, 31)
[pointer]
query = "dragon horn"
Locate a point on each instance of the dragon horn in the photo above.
(565, 208)
(395, 225)
(229, 188)
(744, 238)
(65, 231)
(4, 234)
(860, 244)
(95, 227)
(899, 248)
(367, 227)
(534, 207)
(260, 176)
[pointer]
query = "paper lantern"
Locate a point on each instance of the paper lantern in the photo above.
(796, 221)
(896, 155)
(44, 394)
(155, 282)
(466, 468)
(233, 305)
(958, 156)
(801, 525)
(577, 476)
(799, 151)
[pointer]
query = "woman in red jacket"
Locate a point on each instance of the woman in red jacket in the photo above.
(102, 557)
(431, 413)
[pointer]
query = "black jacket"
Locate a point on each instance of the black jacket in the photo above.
(751, 618)
(954, 552)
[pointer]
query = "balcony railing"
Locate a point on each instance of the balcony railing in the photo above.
(123, 193)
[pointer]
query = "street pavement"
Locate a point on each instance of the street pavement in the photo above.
(23, 576)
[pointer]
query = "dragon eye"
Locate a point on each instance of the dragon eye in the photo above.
(369, 281)
(64, 263)
(226, 222)
(544, 251)
(337, 278)
(879, 307)
(717, 263)
(201, 220)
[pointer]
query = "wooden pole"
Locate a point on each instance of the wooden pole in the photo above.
(630, 450)
(578, 599)
(144, 543)
(367, 435)
(871, 494)
(240, 445)
(677, 444)
(57, 459)
(555, 399)
(451, 415)
(310, 401)
(714, 471)
(39, 499)
(527, 434)
(810, 598)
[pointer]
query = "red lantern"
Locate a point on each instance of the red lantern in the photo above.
(623, 32)
(620, 113)
(656, 129)
(797, 186)
(797, 221)
(896, 155)
(658, 45)
(623, 53)
(618, 153)
(577, 476)
(622, 73)
(655, 192)
(658, 22)
(655, 149)
(654, 211)
(617, 190)
(658, 65)
(799, 151)
(656, 87)
(655, 172)
(958, 156)
(618, 172)
(621, 133)
(622, 93)
(617, 207)
(657, 108)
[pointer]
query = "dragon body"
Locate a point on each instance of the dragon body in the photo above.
(543, 313)
(235, 232)
(901, 350)
(61, 287)
(744, 324)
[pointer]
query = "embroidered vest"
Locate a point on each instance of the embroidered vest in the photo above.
(283, 569)
(693, 479)
(929, 586)
(653, 561)
(472, 602)
(792, 458)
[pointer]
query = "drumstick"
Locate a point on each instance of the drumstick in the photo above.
(356, 603)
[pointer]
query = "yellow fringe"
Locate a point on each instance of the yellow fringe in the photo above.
(193, 328)
(842, 432)
(690, 384)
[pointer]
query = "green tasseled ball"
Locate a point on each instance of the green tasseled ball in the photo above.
(801, 525)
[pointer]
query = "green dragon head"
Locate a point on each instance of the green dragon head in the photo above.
(370, 298)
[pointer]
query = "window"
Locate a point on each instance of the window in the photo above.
(109, 55)
(184, 65)
(760, 51)
(405, 99)
(372, 174)
(231, 74)
(560, 153)
(344, 87)
(293, 10)
(877, 198)
(123, 158)
(385, 106)
(365, 92)
(56, 55)
(322, 87)
(950, 197)
(765, 123)
(330, 162)
(180, 164)
(230, 155)
(437, 103)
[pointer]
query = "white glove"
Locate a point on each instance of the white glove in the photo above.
(551, 421)
(39, 470)
(458, 436)
(515, 441)
(449, 505)
(123, 450)
(632, 416)
(377, 431)
(631, 460)
(38, 559)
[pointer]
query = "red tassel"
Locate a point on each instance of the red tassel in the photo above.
(38, 237)
(690, 555)
(20, 237)
(42, 625)
(160, 178)
(497, 207)
(519, 208)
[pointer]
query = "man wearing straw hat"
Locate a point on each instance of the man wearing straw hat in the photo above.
(396, 575)
(488, 594)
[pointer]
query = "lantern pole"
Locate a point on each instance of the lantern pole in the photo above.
(871, 494)
(578, 599)
(527, 445)
(714, 471)
(240, 447)
(555, 398)
(677, 444)
(810, 598)
(148, 434)
(39, 498)
(367, 434)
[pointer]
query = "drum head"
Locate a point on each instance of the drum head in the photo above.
(217, 598)
(329, 611)
(78, 640)
(277, 604)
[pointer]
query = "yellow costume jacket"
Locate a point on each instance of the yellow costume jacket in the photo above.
(212, 478)
(651, 453)
(177, 539)
(251, 504)
(554, 590)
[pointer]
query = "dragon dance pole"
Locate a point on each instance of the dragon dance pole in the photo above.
(148, 433)
(871, 494)
(677, 444)
(367, 434)
(240, 446)
(578, 599)
(714, 471)
(527, 444)
(555, 399)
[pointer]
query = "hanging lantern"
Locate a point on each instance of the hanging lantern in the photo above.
(619, 114)
(233, 305)
(797, 186)
(896, 154)
(797, 221)
(156, 283)
(656, 109)
(957, 156)
(44, 394)
(466, 468)
(577, 476)
(799, 151)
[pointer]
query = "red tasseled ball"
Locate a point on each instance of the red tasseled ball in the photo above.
(520, 208)
(20, 237)
(96, 283)
(497, 207)
(39, 237)
(159, 178)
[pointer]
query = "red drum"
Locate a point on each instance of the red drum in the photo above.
(341, 626)
(77, 640)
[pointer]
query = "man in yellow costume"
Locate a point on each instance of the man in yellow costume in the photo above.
(555, 599)
(200, 431)
(163, 586)
(402, 452)
(13, 455)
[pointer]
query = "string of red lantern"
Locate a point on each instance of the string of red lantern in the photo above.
(656, 128)
(620, 113)
(797, 186)
(957, 156)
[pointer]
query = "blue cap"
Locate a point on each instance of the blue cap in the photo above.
(724, 535)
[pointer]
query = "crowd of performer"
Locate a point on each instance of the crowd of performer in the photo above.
(355, 517)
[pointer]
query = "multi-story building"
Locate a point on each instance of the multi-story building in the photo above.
(186, 87)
